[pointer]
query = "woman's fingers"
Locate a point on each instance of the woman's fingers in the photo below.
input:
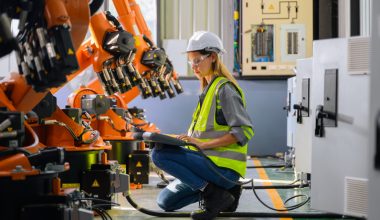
(182, 136)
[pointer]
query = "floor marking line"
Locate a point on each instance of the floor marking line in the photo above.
(273, 194)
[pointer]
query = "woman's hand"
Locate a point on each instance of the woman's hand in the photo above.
(192, 140)
(212, 143)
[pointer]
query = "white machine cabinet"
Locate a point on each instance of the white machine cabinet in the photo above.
(290, 100)
(339, 102)
(374, 139)
(303, 127)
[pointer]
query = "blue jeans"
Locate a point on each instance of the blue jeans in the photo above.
(192, 171)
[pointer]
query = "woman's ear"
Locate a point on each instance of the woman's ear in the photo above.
(213, 56)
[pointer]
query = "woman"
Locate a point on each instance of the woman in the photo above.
(221, 127)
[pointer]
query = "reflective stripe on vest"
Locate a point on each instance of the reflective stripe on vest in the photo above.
(226, 154)
(204, 127)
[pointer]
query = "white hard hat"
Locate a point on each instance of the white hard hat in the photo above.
(205, 40)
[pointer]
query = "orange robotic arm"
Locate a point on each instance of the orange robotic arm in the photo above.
(46, 50)
(113, 56)
(151, 56)
(45, 54)
(169, 72)
(140, 21)
(117, 65)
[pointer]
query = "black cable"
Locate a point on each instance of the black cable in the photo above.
(141, 124)
(241, 214)
(102, 205)
(174, 141)
(216, 171)
(100, 213)
(167, 139)
(98, 200)
(267, 166)
(147, 40)
(293, 197)
(267, 156)
(95, 6)
(155, 213)
(253, 186)
(287, 208)
(22, 150)
(284, 186)
(106, 213)
(278, 186)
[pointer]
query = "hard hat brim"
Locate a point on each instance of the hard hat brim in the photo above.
(221, 52)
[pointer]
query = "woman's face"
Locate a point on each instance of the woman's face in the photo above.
(200, 64)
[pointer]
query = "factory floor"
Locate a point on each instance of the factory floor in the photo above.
(146, 197)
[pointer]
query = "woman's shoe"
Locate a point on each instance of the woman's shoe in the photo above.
(216, 199)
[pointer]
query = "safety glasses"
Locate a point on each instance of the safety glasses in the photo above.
(198, 60)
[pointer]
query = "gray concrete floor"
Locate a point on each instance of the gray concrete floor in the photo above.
(146, 197)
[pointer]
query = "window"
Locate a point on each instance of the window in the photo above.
(149, 12)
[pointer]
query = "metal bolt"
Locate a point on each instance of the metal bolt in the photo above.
(18, 168)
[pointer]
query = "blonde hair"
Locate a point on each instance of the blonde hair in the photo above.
(219, 69)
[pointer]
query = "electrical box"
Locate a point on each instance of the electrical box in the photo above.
(138, 167)
(275, 34)
(292, 42)
(262, 43)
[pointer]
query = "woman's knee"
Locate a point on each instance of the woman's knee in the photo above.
(164, 206)
(165, 201)
(176, 195)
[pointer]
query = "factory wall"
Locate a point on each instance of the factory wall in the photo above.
(265, 99)
(178, 20)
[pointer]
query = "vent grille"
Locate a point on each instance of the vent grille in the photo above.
(358, 55)
(356, 196)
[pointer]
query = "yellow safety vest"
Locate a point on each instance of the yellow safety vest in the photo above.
(205, 127)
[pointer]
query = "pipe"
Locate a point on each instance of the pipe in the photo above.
(278, 186)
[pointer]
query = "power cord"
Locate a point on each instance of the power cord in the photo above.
(98, 207)
(287, 208)
(164, 139)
